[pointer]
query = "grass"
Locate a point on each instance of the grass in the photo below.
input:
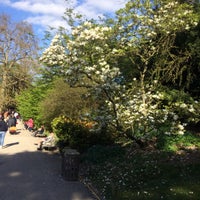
(127, 173)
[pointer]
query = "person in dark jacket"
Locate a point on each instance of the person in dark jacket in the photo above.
(12, 122)
(3, 129)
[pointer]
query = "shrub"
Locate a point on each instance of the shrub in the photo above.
(63, 99)
(174, 143)
(78, 134)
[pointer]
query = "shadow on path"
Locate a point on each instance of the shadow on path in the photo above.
(10, 144)
(36, 176)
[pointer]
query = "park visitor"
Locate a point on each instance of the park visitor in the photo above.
(3, 129)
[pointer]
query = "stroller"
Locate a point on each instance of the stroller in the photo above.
(13, 130)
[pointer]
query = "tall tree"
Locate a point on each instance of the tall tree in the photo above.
(143, 36)
(18, 52)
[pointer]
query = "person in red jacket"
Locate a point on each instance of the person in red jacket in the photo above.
(30, 124)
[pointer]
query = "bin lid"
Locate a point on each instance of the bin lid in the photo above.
(71, 152)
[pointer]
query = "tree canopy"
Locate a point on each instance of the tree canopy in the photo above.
(18, 58)
(133, 66)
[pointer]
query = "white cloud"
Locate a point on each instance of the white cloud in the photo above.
(37, 8)
(95, 8)
(46, 20)
(50, 12)
(105, 5)
(54, 7)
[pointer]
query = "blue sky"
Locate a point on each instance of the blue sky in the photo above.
(44, 13)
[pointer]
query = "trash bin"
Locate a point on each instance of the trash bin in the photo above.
(70, 164)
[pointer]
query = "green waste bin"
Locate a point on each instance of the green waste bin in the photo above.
(70, 165)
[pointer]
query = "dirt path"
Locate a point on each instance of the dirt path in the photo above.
(28, 174)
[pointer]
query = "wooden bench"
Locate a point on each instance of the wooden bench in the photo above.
(40, 135)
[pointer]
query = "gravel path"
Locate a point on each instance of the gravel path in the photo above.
(28, 174)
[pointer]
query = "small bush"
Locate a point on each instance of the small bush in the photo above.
(78, 134)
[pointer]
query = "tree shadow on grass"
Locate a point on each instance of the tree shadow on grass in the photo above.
(140, 174)
(170, 176)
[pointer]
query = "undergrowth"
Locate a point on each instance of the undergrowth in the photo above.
(124, 172)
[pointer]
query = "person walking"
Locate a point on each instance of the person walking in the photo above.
(12, 122)
(3, 130)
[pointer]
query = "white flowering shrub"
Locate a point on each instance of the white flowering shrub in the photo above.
(147, 33)
(148, 19)
(144, 115)
(90, 59)
(182, 104)
(55, 54)
(87, 62)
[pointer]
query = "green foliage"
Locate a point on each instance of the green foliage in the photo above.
(151, 33)
(77, 134)
(62, 99)
(71, 133)
(189, 40)
(28, 102)
(182, 104)
(174, 143)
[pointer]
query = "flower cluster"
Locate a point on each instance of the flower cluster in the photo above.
(86, 58)
(166, 19)
(55, 54)
(141, 113)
